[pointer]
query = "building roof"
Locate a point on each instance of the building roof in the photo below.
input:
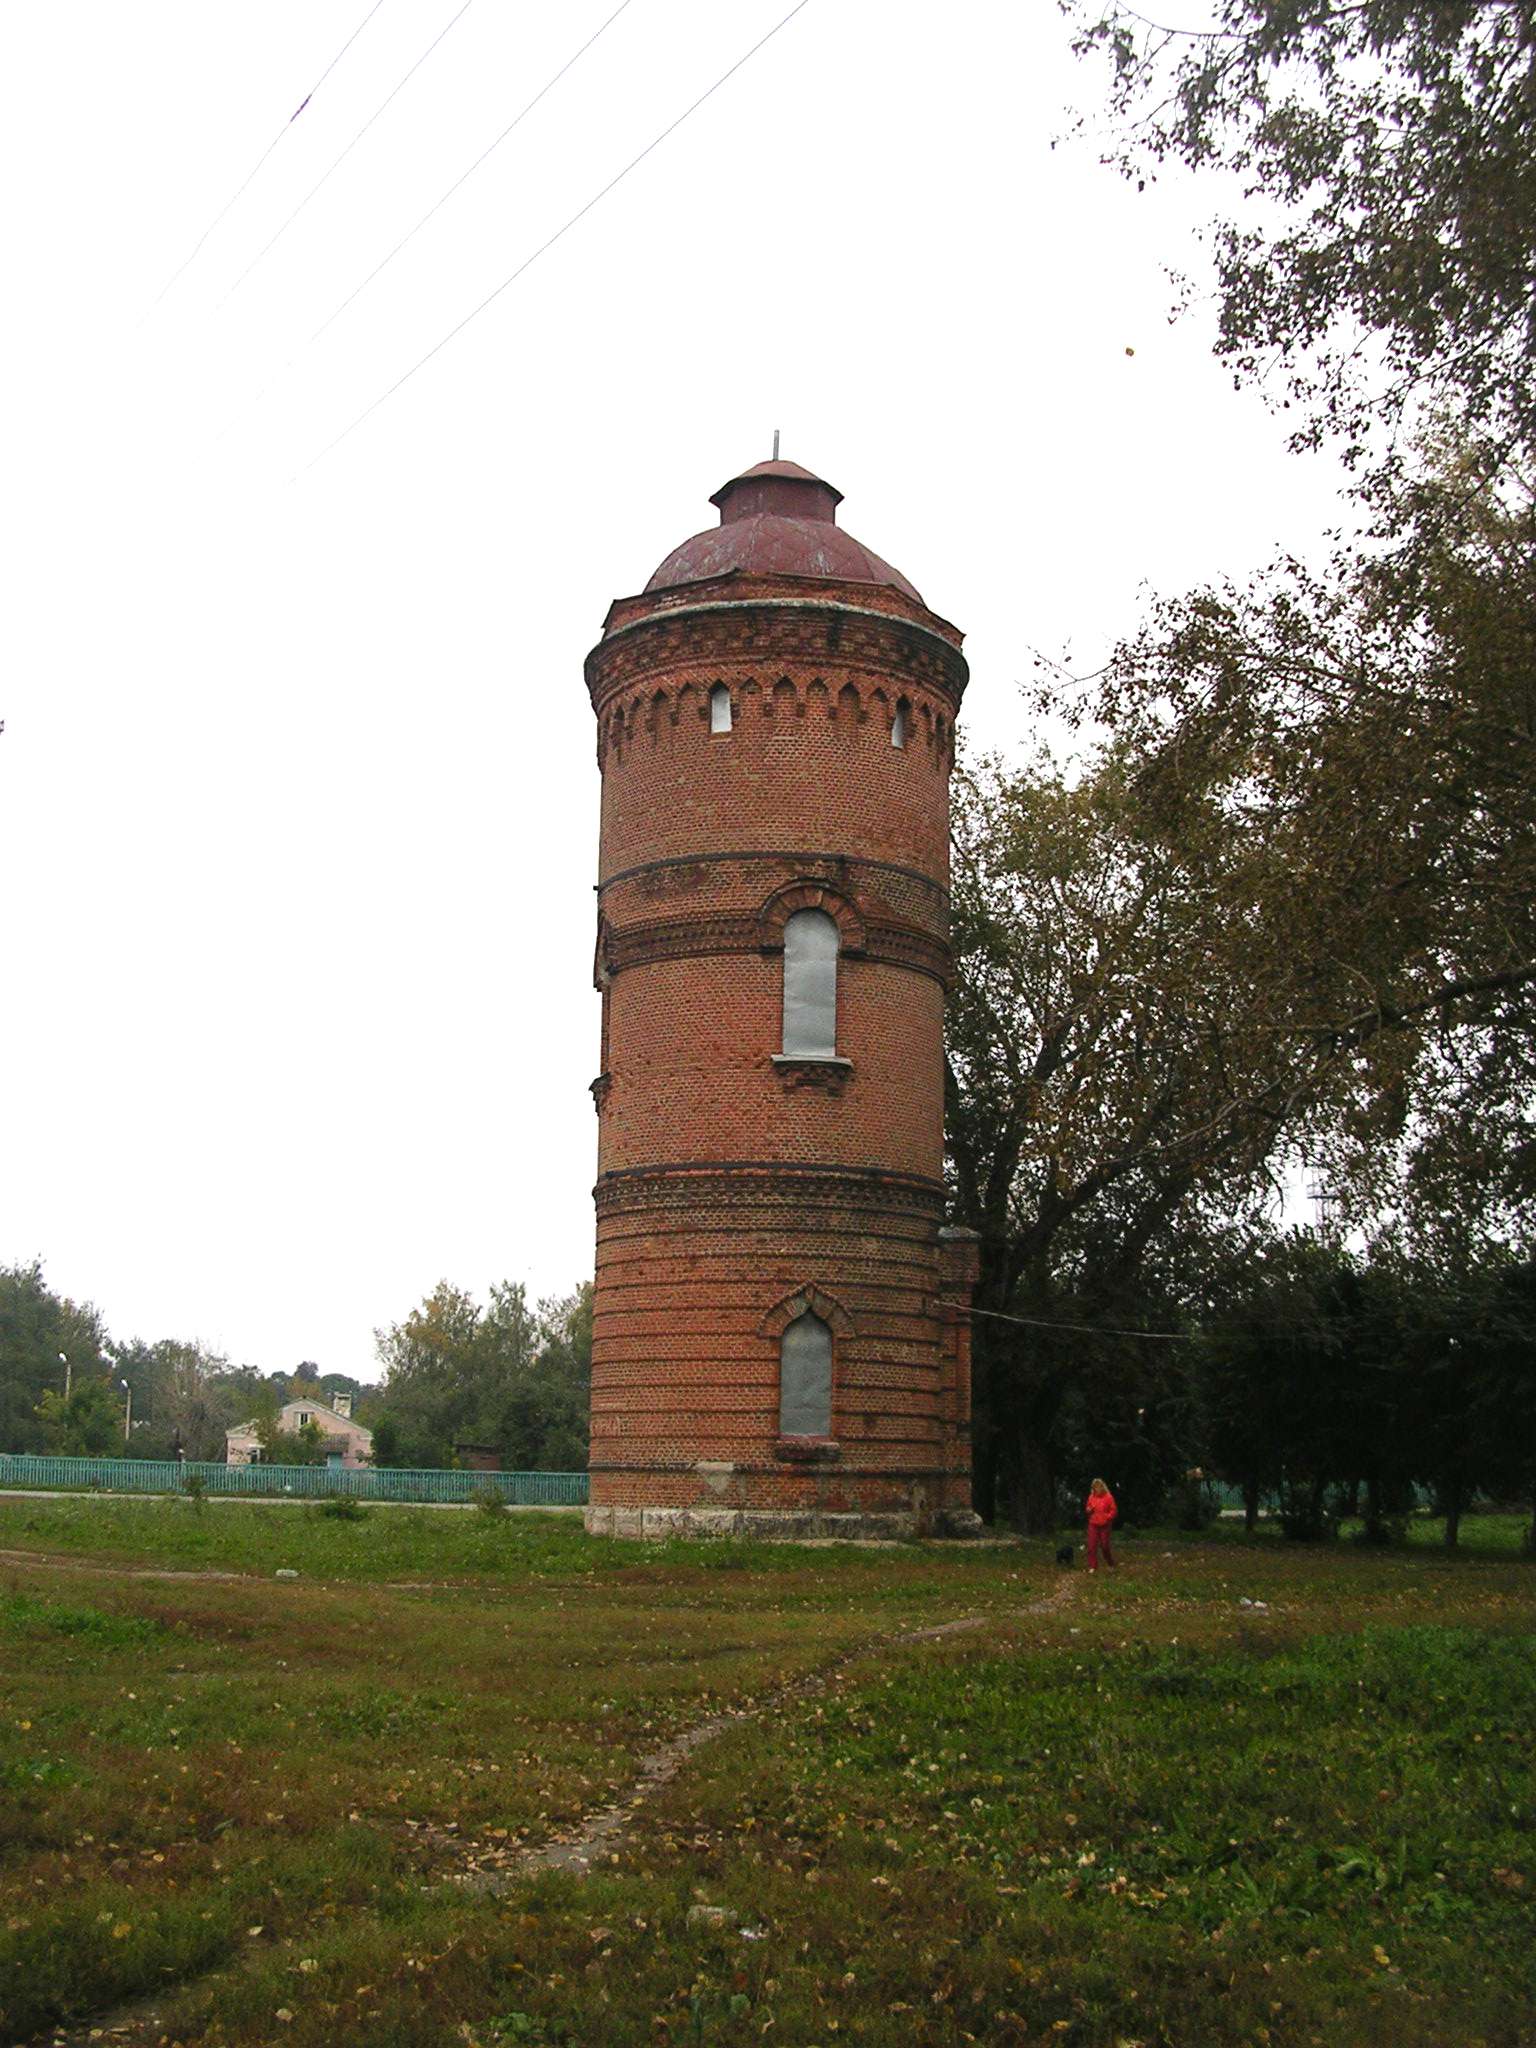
(777, 519)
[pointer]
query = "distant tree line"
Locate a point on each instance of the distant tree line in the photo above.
(68, 1387)
(1310, 1381)
(510, 1380)
(505, 1381)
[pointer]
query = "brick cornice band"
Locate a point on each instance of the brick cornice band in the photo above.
(849, 871)
(685, 938)
(772, 632)
(771, 1181)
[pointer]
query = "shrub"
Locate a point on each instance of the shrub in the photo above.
(1187, 1503)
(343, 1507)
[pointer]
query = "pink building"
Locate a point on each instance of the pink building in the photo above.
(342, 1438)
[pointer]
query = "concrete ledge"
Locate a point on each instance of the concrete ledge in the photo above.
(767, 1525)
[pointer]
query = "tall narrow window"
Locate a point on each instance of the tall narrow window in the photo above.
(899, 725)
(720, 708)
(810, 986)
(805, 1378)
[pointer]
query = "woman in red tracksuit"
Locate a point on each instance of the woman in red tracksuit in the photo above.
(1101, 1519)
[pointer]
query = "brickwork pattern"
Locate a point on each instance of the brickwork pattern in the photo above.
(736, 1187)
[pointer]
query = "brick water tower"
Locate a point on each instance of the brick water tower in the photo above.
(776, 1346)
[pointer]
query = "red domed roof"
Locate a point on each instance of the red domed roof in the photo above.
(777, 519)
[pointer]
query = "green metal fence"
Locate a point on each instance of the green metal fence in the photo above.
(156, 1475)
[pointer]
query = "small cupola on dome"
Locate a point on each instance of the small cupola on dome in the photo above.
(777, 519)
(782, 488)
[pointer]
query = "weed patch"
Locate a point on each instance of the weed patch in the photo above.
(239, 1810)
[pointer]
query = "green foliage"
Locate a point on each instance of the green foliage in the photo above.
(1370, 730)
(1287, 901)
(503, 1377)
(1389, 269)
(1122, 1066)
(89, 1424)
(185, 1397)
(302, 1446)
(1359, 749)
(342, 1507)
(36, 1325)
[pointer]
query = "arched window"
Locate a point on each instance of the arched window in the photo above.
(810, 986)
(805, 1377)
(720, 708)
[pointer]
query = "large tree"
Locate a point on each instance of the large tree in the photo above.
(45, 1340)
(1370, 735)
(1383, 269)
(1377, 716)
(1289, 902)
(185, 1397)
(1292, 897)
(1123, 1064)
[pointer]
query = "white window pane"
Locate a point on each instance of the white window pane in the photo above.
(805, 1378)
(810, 985)
(899, 727)
(720, 709)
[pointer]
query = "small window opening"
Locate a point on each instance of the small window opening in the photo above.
(810, 986)
(720, 709)
(899, 726)
(805, 1377)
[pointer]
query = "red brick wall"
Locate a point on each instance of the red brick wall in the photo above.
(733, 1191)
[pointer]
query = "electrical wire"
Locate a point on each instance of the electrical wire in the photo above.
(1087, 1329)
(357, 138)
(1251, 1326)
(277, 138)
(529, 261)
(479, 160)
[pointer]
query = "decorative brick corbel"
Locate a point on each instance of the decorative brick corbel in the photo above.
(827, 1076)
(808, 1296)
(809, 894)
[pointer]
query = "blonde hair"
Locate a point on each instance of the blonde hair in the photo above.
(1098, 1486)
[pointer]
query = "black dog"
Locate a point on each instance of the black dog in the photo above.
(1066, 1554)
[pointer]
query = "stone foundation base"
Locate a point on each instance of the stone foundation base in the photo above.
(765, 1525)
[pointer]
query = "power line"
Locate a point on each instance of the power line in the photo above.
(277, 138)
(479, 160)
(357, 138)
(529, 261)
(1088, 1329)
(1251, 1325)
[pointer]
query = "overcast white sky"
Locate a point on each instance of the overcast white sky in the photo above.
(298, 804)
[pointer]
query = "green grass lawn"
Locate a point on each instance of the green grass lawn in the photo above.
(237, 1808)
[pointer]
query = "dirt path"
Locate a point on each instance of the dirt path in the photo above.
(598, 1835)
(60, 1561)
